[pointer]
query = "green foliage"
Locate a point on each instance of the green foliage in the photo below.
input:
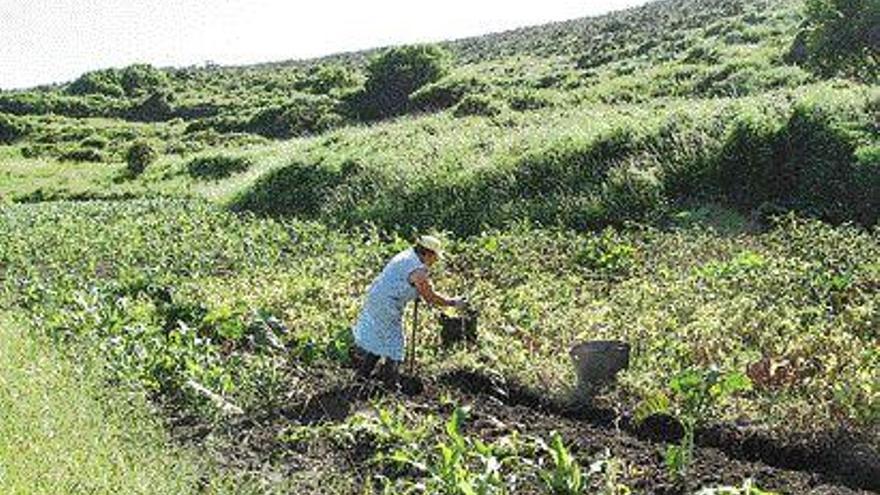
(327, 79)
(139, 156)
(841, 36)
(141, 79)
(97, 142)
(607, 254)
(806, 163)
(217, 167)
(104, 82)
(695, 394)
(11, 129)
(395, 74)
(477, 104)
(449, 470)
(44, 103)
(447, 92)
(154, 108)
(72, 433)
(131, 81)
(526, 99)
(301, 116)
(83, 154)
(565, 477)
(632, 193)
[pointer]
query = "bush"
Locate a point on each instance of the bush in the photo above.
(327, 79)
(95, 142)
(477, 105)
(806, 163)
(303, 115)
(155, 108)
(299, 188)
(446, 92)
(842, 36)
(140, 79)
(216, 166)
(522, 100)
(104, 82)
(82, 155)
(220, 123)
(11, 129)
(139, 156)
(394, 75)
(633, 194)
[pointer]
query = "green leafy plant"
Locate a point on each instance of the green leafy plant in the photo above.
(461, 465)
(566, 476)
(695, 393)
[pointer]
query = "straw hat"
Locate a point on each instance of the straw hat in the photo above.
(431, 243)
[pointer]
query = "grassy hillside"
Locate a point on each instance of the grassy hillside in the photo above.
(581, 124)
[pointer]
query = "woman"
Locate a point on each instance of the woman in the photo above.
(378, 332)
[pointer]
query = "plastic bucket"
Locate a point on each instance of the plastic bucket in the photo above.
(454, 329)
(597, 363)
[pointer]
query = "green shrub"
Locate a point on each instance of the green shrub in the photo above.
(155, 108)
(747, 171)
(394, 75)
(446, 92)
(327, 79)
(220, 123)
(11, 129)
(83, 155)
(104, 82)
(303, 115)
(216, 166)
(96, 142)
(299, 189)
(524, 99)
(632, 193)
(842, 36)
(139, 156)
(140, 79)
(477, 105)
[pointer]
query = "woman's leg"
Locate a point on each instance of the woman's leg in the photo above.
(365, 363)
(390, 371)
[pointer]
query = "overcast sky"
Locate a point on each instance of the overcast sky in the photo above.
(45, 41)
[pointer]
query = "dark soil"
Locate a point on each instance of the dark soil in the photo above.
(726, 454)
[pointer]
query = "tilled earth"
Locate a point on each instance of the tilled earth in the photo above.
(255, 446)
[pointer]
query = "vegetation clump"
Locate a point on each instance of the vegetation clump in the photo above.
(11, 129)
(394, 75)
(477, 105)
(139, 156)
(217, 167)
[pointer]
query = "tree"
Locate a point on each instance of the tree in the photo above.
(842, 36)
(395, 74)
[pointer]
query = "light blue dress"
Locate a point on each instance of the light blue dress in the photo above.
(379, 328)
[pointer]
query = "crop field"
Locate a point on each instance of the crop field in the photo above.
(176, 291)
(687, 176)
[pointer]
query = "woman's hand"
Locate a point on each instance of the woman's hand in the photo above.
(419, 278)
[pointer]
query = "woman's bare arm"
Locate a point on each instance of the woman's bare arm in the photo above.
(419, 278)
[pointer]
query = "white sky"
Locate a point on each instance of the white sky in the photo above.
(45, 41)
